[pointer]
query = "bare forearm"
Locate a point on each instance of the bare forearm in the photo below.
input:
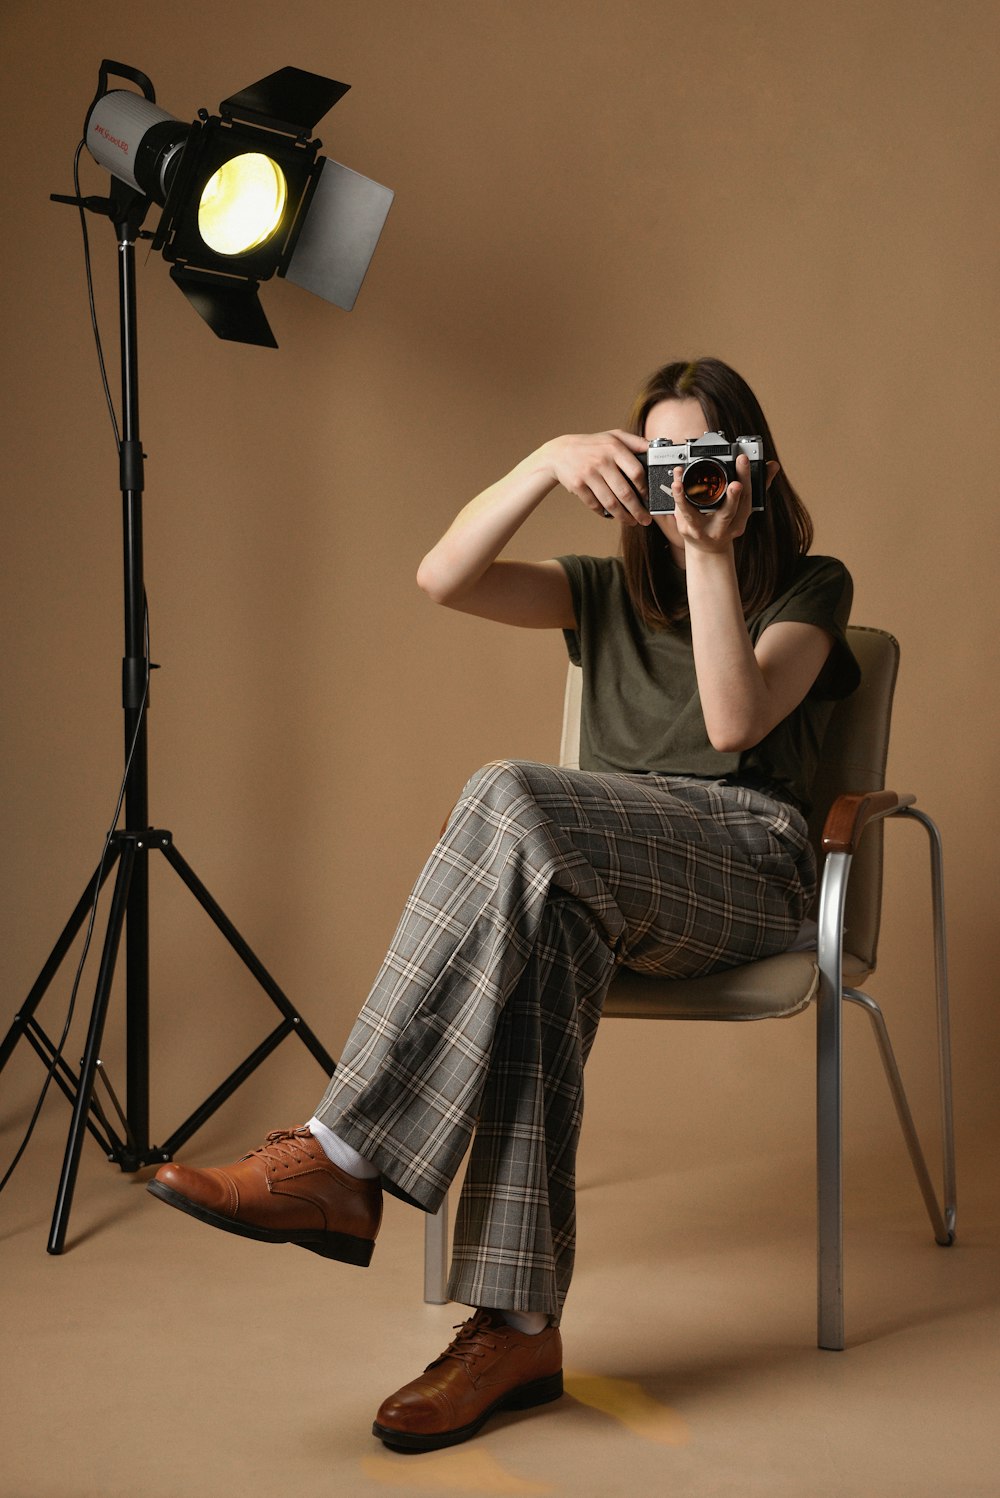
(465, 571)
(746, 690)
(481, 530)
(735, 698)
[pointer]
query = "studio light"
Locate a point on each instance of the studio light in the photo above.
(245, 194)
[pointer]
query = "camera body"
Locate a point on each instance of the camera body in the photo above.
(708, 465)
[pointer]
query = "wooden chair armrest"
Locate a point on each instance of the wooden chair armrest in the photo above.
(850, 814)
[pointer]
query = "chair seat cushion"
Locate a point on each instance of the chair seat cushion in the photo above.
(771, 989)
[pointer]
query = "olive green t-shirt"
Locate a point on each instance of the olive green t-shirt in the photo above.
(641, 710)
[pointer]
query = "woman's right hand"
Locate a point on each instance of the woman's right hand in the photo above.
(603, 470)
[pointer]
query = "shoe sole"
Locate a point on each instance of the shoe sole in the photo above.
(526, 1396)
(342, 1246)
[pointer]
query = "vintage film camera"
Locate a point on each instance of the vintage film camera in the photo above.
(708, 466)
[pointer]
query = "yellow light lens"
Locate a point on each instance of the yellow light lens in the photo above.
(242, 204)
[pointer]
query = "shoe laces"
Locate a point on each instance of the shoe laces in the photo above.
(284, 1146)
(476, 1338)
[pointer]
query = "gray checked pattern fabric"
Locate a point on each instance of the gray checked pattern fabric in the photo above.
(484, 1011)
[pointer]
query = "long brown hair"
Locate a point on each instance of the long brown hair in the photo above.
(774, 540)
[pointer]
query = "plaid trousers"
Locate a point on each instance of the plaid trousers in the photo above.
(486, 1006)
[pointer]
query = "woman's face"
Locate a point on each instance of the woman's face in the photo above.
(678, 421)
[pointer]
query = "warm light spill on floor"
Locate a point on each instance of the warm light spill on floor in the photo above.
(628, 1403)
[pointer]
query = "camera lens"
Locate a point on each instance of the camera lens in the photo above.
(704, 483)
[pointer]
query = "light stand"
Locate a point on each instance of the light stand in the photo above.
(129, 847)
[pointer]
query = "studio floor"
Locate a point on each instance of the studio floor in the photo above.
(158, 1358)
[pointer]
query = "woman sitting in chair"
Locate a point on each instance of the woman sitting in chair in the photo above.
(712, 652)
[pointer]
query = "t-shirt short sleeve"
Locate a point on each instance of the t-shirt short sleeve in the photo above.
(821, 594)
(574, 567)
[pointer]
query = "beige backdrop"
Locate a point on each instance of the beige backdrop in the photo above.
(583, 190)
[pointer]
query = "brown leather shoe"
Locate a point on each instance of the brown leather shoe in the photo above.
(487, 1368)
(287, 1191)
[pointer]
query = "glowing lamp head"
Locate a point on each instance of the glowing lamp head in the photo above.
(242, 204)
(245, 194)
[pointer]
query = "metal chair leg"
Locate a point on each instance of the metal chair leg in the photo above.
(943, 1215)
(942, 1221)
(829, 1094)
(943, 1015)
(436, 1256)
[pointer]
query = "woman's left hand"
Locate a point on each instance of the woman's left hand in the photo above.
(716, 530)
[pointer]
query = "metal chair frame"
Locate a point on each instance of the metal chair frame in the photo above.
(829, 1060)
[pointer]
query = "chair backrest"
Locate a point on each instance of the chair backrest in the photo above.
(853, 759)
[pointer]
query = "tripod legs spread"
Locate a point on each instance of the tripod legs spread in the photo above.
(133, 1152)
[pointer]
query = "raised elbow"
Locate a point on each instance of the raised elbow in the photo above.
(731, 743)
(430, 581)
(734, 737)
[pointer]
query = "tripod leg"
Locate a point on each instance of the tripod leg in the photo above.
(64, 1079)
(243, 951)
(74, 1142)
(56, 956)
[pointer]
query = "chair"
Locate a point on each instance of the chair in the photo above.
(851, 807)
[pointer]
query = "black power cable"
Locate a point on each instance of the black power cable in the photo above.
(90, 297)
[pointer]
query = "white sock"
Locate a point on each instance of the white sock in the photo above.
(529, 1322)
(340, 1152)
